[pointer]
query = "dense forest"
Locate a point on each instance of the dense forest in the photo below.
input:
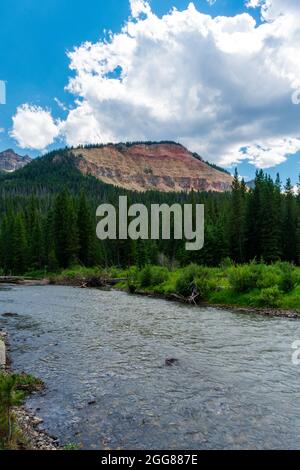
(48, 221)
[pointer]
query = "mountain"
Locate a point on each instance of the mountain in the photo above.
(163, 166)
(11, 161)
(250, 184)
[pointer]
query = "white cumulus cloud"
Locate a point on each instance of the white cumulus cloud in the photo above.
(139, 7)
(222, 86)
(254, 3)
(34, 127)
(270, 153)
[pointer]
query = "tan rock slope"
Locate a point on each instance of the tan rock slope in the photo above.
(160, 166)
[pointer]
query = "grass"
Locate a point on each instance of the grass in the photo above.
(13, 390)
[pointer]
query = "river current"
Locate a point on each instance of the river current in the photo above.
(102, 357)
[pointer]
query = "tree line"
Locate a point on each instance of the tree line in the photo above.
(47, 222)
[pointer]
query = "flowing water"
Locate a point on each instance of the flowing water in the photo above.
(102, 356)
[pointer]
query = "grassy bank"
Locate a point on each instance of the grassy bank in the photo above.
(251, 285)
(14, 388)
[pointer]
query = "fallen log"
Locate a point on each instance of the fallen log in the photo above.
(23, 281)
(11, 280)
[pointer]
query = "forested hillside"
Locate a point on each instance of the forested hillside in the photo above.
(48, 221)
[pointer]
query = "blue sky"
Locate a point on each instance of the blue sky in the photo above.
(35, 36)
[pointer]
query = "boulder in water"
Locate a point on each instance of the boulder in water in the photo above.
(171, 361)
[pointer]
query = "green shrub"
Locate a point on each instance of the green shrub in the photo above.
(159, 275)
(153, 276)
(246, 277)
(283, 266)
(133, 274)
(205, 285)
(269, 277)
(145, 277)
(269, 297)
(243, 278)
(195, 278)
(80, 272)
(226, 263)
(185, 282)
(288, 279)
(132, 279)
(116, 273)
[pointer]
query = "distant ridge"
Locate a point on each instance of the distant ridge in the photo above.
(10, 161)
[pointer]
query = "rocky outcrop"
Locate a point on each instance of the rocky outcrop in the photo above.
(11, 161)
(160, 166)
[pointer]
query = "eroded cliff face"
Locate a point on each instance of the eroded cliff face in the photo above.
(141, 167)
(11, 161)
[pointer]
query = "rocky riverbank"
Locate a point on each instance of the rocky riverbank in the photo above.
(29, 434)
(34, 438)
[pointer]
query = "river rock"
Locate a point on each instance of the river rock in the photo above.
(36, 421)
(171, 361)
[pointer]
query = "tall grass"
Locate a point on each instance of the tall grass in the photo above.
(13, 390)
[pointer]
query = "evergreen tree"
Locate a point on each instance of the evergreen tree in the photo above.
(65, 230)
(37, 247)
(237, 220)
(270, 222)
(19, 246)
(86, 232)
(289, 223)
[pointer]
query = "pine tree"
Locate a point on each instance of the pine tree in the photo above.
(270, 222)
(65, 230)
(237, 219)
(254, 219)
(6, 244)
(86, 232)
(19, 246)
(289, 223)
(298, 225)
(37, 247)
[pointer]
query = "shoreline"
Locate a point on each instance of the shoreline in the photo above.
(266, 311)
(269, 312)
(108, 284)
(32, 436)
